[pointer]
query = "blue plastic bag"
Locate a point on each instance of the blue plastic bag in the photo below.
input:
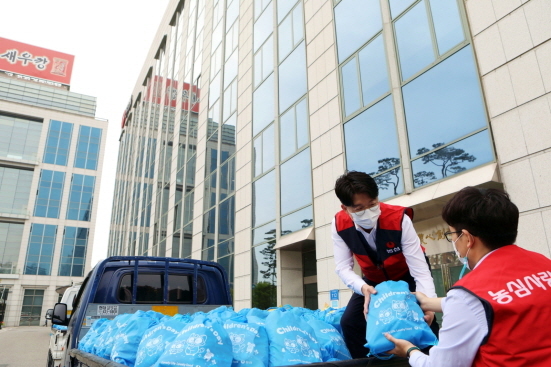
(203, 342)
(332, 345)
(393, 309)
(158, 337)
(249, 343)
(105, 341)
(128, 338)
(292, 340)
(89, 339)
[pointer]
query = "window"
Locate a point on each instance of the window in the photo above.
(264, 202)
(32, 307)
(19, 137)
(264, 61)
(263, 105)
(356, 21)
(10, 245)
(48, 197)
(73, 252)
(81, 197)
(88, 146)
(264, 151)
(41, 249)
(150, 288)
(291, 31)
(58, 142)
(292, 78)
(263, 27)
(379, 124)
(15, 187)
(293, 126)
(296, 182)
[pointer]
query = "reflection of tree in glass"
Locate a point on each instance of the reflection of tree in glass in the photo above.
(391, 177)
(305, 223)
(447, 158)
(423, 178)
(264, 294)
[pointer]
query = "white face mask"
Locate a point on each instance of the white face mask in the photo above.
(464, 260)
(369, 217)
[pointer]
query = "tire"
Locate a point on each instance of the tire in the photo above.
(50, 360)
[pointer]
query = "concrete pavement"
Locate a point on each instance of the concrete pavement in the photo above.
(24, 346)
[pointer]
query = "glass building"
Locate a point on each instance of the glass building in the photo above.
(247, 112)
(51, 155)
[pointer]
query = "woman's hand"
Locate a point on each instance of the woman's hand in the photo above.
(401, 346)
(367, 291)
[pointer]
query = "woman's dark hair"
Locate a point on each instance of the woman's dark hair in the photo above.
(486, 213)
(353, 182)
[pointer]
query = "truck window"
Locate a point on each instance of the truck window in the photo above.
(180, 289)
(150, 288)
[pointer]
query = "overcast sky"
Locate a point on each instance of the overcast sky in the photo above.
(110, 40)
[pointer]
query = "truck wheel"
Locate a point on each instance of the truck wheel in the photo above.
(50, 360)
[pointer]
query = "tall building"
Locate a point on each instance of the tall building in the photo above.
(246, 111)
(51, 154)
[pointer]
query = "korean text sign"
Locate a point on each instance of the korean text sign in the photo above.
(37, 62)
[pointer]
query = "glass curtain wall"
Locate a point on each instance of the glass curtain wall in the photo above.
(219, 184)
(438, 89)
(282, 183)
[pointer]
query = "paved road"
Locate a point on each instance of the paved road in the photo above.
(24, 346)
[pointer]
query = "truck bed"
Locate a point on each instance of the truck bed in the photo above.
(90, 360)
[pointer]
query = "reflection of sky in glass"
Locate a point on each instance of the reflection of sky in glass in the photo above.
(230, 69)
(398, 6)
(264, 205)
(374, 74)
(288, 139)
(302, 124)
(283, 7)
(268, 149)
(297, 221)
(350, 86)
(390, 183)
(262, 234)
(445, 103)
(296, 182)
(263, 105)
(414, 41)
(263, 27)
(447, 24)
(356, 21)
(476, 148)
(370, 137)
(292, 78)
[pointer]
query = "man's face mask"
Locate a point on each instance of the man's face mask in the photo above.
(367, 218)
(464, 260)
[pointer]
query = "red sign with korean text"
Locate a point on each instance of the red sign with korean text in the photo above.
(37, 62)
(190, 96)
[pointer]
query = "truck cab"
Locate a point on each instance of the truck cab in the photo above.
(126, 284)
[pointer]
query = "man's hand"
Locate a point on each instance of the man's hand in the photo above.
(367, 291)
(401, 346)
(428, 304)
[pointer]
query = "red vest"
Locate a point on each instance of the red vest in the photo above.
(388, 262)
(514, 285)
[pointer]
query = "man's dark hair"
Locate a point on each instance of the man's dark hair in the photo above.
(486, 213)
(353, 182)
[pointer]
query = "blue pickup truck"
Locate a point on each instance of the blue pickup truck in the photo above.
(126, 284)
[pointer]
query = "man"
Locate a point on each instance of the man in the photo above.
(497, 314)
(382, 239)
